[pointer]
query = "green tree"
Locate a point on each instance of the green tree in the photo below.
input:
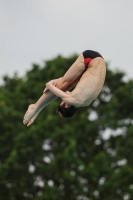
(87, 157)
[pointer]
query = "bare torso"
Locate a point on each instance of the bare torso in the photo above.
(90, 84)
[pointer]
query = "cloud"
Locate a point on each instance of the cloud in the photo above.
(3, 17)
(35, 30)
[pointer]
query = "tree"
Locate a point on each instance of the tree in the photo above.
(88, 157)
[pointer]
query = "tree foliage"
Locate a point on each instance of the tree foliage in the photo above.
(88, 157)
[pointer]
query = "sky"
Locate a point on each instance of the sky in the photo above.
(33, 31)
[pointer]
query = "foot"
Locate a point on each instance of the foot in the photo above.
(33, 118)
(30, 115)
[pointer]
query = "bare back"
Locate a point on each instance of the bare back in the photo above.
(91, 83)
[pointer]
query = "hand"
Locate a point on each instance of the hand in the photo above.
(52, 82)
(45, 90)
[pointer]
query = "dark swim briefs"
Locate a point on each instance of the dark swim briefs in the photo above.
(90, 55)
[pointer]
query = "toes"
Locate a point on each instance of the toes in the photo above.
(30, 115)
(24, 121)
(27, 117)
(30, 122)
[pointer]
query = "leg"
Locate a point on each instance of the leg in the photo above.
(73, 74)
(35, 109)
(70, 78)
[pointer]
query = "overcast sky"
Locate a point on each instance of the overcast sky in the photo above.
(32, 31)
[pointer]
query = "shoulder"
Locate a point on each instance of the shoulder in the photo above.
(69, 100)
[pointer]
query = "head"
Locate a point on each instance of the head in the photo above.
(65, 110)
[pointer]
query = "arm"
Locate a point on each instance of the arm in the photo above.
(53, 82)
(56, 91)
(63, 84)
(65, 96)
(72, 76)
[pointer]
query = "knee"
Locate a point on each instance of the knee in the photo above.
(61, 84)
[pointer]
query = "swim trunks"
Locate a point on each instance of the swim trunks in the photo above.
(90, 55)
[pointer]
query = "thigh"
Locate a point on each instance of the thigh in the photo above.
(75, 71)
(72, 75)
